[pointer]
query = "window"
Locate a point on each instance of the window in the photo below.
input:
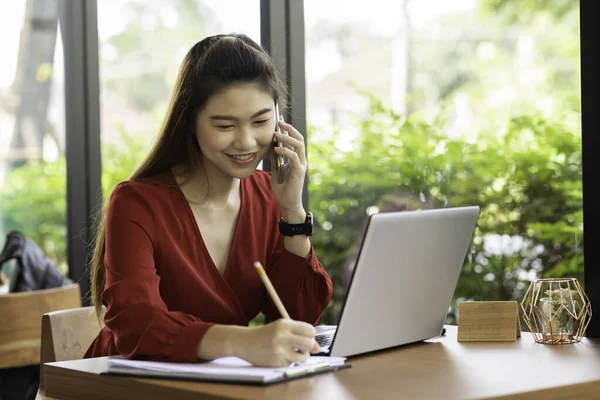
(428, 104)
(142, 44)
(32, 127)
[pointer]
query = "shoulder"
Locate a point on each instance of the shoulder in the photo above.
(133, 190)
(130, 208)
(152, 187)
(128, 199)
(137, 197)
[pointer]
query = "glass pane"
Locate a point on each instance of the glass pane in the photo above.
(32, 127)
(433, 103)
(142, 44)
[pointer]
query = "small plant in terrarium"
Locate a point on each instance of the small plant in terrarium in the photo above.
(560, 308)
(556, 310)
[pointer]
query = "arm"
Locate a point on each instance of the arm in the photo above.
(300, 280)
(298, 277)
(273, 345)
(138, 318)
(298, 244)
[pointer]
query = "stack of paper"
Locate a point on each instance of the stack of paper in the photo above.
(226, 369)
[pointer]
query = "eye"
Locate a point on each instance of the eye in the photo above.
(261, 122)
(224, 127)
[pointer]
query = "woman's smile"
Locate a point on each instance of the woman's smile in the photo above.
(242, 159)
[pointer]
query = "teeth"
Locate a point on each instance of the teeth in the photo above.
(246, 157)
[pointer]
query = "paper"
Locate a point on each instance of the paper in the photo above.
(228, 367)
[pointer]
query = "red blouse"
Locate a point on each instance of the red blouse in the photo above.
(163, 291)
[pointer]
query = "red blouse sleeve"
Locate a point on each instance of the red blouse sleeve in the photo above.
(140, 322)
(301, 282)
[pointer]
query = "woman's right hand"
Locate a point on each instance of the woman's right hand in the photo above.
(277, 344)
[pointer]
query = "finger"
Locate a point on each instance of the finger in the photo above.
(289, 141)
(279, 359)
(293, 147)
(284, 132)
(294, 356)
(295, 139)
(291, 155)
(316, 348)
(302, 328)
(293, 132)
(302, 343)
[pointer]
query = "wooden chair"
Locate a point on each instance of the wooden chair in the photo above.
(66, 335)
(21, 322)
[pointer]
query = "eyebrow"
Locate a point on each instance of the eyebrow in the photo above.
(230, 118)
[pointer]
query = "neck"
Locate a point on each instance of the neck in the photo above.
(209, 186)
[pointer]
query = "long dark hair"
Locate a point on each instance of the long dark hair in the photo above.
(211, 65)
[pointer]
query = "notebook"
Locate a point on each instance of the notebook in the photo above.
(225, 369)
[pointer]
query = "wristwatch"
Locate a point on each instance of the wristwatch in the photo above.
(305, 228)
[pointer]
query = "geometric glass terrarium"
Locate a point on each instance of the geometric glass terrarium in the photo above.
(556, 310)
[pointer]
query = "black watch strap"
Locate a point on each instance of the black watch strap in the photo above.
(305, 228)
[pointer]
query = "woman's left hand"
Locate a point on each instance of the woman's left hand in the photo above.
(289, 192)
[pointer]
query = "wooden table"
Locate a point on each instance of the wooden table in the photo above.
(440, 368)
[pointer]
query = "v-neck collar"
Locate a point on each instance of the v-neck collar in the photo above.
(192, 219)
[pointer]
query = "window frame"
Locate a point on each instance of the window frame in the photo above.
(79, 26)
(590, 135)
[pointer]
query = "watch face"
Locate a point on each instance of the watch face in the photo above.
(309, 223)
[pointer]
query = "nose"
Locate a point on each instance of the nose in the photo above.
(244, 139)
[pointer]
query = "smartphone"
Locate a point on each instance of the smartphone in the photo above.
(282, 161)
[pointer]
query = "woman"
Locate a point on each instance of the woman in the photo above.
(174, 254)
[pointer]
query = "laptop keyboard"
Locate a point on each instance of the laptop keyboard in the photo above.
(324, 336)
(324, 340)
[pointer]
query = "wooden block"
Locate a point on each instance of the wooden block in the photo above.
(488, 321)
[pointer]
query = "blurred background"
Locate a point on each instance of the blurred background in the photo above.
(410, 104)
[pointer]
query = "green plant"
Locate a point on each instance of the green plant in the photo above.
(33, 202)
(34, 195)
(526, 178)
(560, 310)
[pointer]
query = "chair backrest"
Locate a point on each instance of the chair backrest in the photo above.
(67, 334)
(21, 322)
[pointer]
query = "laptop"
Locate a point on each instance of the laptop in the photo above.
(403, 281)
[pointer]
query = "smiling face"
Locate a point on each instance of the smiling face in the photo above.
(235, 130)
